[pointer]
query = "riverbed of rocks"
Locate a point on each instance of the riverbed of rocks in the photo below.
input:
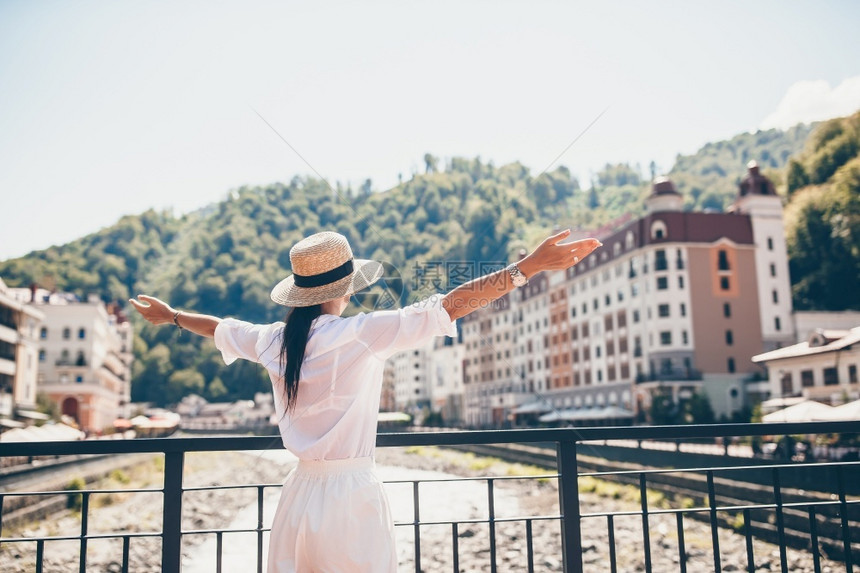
(141, 512)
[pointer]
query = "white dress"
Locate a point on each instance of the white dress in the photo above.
(333, 515)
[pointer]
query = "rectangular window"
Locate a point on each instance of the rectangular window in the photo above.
(831, 377)
(683, 309)
(586, 353)
(610, 348)
(772, 270)
(852, 374)
(637, 347)
(666, 338)
(622, 319)
(634, 290)
(775, 296)
(625, 371)
(770, 243)
(662, 283)
(597, 351)
(723, 260)
(681, 282)
(724, 283)
(585, 330)
(595, 304)
(727, 310)
(730, 364)
(787, 385)
(587, 377)
(82, 334)
(622, 346)
(607, 322)
(660, 263)
(607, 300)
(777, 324)
(663, 310)
(806, 378)
(600, 375)
(730, 338)
(610, 373)
(684, 337)
(635, 316)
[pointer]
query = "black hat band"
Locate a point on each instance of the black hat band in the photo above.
(325, 278)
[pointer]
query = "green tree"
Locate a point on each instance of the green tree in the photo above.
(698, 409)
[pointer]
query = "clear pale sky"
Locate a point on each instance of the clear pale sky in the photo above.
(109, 108)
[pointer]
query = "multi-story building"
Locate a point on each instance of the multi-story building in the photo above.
(431, 378)
(413, 371)
(446, 384)
(85, 357)
(674, 303)
(19, 347)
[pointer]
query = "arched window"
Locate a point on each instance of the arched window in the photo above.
(658, 230)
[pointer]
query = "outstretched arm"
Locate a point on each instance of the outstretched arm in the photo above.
(159, 312)
(550, 255)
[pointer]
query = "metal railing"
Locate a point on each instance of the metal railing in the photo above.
(568, 445)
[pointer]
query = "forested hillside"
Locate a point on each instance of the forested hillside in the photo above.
(225, 258)
(709, 178)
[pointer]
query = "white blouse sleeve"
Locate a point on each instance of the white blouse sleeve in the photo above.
(238, 339)
(390, 331)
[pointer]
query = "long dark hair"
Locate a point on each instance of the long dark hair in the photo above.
(293, 343)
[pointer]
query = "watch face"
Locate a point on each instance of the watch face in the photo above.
(517, 277)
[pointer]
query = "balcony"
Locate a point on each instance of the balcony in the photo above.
(673, 375)
(806, 506)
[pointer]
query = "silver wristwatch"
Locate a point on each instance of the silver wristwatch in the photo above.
(517, 276)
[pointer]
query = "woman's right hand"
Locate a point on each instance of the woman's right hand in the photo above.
(553, 255)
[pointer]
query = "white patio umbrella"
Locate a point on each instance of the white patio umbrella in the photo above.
(845, 412)
(807, 411)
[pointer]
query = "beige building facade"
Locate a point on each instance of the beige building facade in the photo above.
(19, 353)
(85, 357)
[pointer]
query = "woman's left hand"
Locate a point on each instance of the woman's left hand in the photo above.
(152, 309)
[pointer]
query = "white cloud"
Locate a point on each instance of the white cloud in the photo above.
(814, 100)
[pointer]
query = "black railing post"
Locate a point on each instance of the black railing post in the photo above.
(568, 496)
(171, 529)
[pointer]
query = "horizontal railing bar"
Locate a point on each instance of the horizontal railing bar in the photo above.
(718, 469)
(211, 531)
(472, 478)
(396, 523)
(231, 486)
(79, 491)
(257, 443)
(479, 520)
(117, 535)
(794, 505)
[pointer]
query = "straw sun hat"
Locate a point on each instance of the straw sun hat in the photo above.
(323, 270)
